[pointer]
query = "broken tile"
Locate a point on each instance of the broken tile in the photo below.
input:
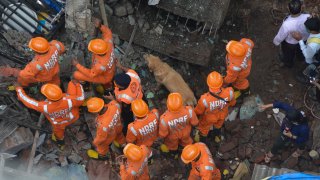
(18, 140)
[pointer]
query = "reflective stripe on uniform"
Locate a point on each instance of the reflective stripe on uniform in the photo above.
(58, 46)
(133, 173)
(69, 103)
(105, 129)
(231, 94)
(133, 131)
(205, 103)
(81, 98)
(235, 68)
(125, 96)
(190, 113)
(38, 66)
(157, 115)
(163, 123)
(134, 76)
(118, 105)
(210, 168)
(249, 43)
(45, 108)
(102, 68)
(27, 99)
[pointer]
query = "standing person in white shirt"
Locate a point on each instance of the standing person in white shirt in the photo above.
(312, 46)
(295, 22)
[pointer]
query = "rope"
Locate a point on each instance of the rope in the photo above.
(310, 108)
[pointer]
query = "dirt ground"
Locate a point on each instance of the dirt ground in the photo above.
(248, 139)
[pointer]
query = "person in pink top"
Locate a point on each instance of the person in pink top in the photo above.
(293, 23)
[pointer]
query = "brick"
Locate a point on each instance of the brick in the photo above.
(20, 139)
(228, 146)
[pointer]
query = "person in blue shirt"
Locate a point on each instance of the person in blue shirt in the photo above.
(294, 129)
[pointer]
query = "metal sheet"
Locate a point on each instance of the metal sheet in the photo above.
(263, 171)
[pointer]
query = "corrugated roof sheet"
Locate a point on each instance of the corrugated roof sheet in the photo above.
(263, 171)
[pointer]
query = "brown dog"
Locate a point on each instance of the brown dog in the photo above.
(172, 80)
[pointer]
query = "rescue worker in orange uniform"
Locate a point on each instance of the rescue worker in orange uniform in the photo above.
(239, 63)
(103, 65)
(109, 127)
(136, 166)
(203, 166)
(44, 67)
(144, 129)
(59, 108)
(176, 124)
(127, 88)
(213, 106)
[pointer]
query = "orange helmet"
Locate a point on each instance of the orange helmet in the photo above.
(174, 102)
(214, 80)
(132, 152)
(236, 49)
(39, 45)
(51, 91)
(98, 46)
(189, 153)
(139, 108)
(95, 104)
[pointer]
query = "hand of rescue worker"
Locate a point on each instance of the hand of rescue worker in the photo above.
(287, 133)
(265, 106)
(110, 96)
(75, 62)
(97, 22)
(296, 35)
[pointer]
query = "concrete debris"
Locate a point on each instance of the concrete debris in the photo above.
(132, 21)
(314, 154)
(52, 157)
(41, 140)
(99, 170)
(81, 136)
(123, 9)
(37, 158)
(84, 145)
(72, 171)
(109, 10)
(63, 160)
(20, 139)
(228, 146)
(75, 158)
(257, 157)
(290, 162)
(233, 115)
(250, 107)
(159, 29)
(153, 2)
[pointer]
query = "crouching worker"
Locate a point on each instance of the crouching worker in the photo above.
(136, 165)
(109, 127)
(176, 124)
(213, 106)
(144, 129)
(294, 129)
(59, 108)
(203, 166)
(44, 67)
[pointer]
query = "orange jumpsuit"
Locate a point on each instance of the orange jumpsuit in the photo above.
(204, 168)
(133, 91)
(175, 127)
(103, 67)
(60, 113)
(43, 67)
(144, 131)
(109, 128)
(213, 111)
(136, 170)
(238, 68)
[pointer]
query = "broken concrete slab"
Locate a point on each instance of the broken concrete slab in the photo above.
(250, 107)
(75, 158)
(20, 139)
